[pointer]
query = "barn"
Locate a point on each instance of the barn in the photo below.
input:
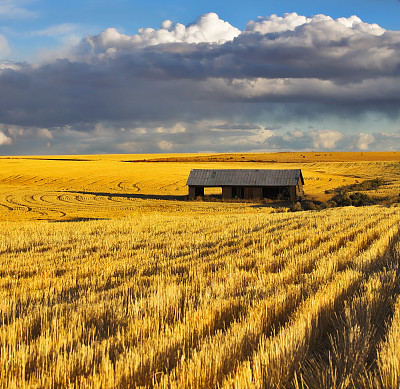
(248, 184)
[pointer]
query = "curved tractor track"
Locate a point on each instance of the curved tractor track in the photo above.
(56, 205)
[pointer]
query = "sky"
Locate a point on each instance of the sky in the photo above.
(124, 76)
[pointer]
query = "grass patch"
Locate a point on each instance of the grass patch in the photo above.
(360, 186)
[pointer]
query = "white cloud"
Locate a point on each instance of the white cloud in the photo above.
(45, 133)
(288, 48)
(364, 140)
(165, 145)
(274, 23)
(261, 136)
(290, 21)
(14, 131)
(176, 129)
(325, 139)
(208, 28)
(4, 139)
(15, 9)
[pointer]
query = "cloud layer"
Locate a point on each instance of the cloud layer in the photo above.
(210, 86)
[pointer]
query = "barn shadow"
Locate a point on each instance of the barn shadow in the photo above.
(267, 203)
(133, 195)
(273, 204)
(76, 219)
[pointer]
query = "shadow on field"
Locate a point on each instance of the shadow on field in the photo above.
(134, 195)
(273, 204)
(207, 198)
(77, 219)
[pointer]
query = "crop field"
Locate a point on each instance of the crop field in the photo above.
(110, 278)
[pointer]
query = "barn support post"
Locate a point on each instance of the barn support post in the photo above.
(257, 193)
(192, 192)
(300, 191)
(293, 194)
(226, 192)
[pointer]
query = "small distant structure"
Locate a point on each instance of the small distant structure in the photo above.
(248, 184)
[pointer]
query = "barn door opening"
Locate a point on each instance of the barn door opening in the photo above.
(238, 192)
(213, 192)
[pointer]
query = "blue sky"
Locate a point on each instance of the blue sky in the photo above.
(22, 21)
(79, 77)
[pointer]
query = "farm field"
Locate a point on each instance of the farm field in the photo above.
(110, 278)
(66, 188)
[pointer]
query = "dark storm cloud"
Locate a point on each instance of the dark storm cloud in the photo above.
(287, 67)
(302, 53)
(237, 127)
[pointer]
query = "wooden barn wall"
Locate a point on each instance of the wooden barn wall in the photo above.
(226, 192)
(293, 193)
(250, 193)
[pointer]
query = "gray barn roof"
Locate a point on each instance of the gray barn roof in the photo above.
(244, 177)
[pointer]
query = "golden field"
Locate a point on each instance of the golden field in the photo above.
(110, 278)
(107, 186)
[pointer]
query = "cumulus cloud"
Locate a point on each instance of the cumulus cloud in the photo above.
(176, 129)
(45, 133)
(291, 21)
(291, 46)
(320, 47)
(325, 139)
(208, 28)
(4, 139)
(160, 84)
(364, 140)
(275, 23)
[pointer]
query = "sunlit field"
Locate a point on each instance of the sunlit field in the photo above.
(110, 277)
(61, 188)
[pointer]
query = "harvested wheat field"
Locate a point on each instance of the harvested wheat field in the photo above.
(111, 278)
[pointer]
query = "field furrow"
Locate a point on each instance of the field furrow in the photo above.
(174, 301)
(110, 278)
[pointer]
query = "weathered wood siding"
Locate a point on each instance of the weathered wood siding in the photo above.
(226, 192)
(257, 193)
(271, 184)
(300, 190)
(293, 193)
